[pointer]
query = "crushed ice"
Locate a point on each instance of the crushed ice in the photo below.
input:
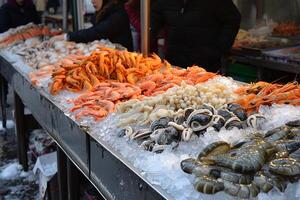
(163, 170)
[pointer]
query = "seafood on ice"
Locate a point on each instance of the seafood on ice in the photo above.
(38, 54)
(101, 101)
(286, 29)
(104, 64)
(191, 124)
(259, 163)
(151, 85)
(25, 32)
(262, 93)
(216, 91)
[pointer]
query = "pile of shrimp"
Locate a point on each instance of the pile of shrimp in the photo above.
(158, 83)
(26, 33)
(216, 91)
(287, 29)
(101, 101)
(105, 64)
(262, 93)
(112, 93)
(48, 70)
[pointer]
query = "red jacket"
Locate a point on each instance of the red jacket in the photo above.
(135, 20)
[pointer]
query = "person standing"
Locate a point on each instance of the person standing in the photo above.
(40, 7)
(16, 13)
(198, 31)
(52, 6)
(110, 22)
(132, 8)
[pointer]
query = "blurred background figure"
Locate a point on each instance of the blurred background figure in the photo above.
(15, 13)
(132, 8)
(52, 6)
(197, 31)
(40, 7)
(109, 22)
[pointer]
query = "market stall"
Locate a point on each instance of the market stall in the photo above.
(270, 26)
(138, 128)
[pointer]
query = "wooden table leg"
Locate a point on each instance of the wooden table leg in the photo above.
(73, 181)
(21, 131)
(2, 103)
(62, 174)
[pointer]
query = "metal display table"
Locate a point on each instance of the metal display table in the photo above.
(262, 64)
(104, 167)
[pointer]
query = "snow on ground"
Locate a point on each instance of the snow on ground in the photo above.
(9, 124)
(11, 171)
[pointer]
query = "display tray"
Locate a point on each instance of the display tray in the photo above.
(289, 55)
(257, 49)
(291, 37)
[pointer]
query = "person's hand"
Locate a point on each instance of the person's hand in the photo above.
(56, 38)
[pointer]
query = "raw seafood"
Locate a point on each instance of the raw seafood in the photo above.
(257, 165)
(217, 92)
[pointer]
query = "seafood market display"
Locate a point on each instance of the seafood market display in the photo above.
(190, 124)
(245, 38)
(102, 99)
(113, 92)
(103, 64)
(217, 92)
(262, 93)
(38, 54)
(258, 164)
(159, 117)
(22, 33)
(287, 29)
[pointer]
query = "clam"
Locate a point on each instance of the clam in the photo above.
(160, 123)
(218, 122)
(159, 148)
(165, 136)
(209, 107)
(187, 112)
(255, 121)
(127, 131)
(148, 145)
(226, 114)
(179, 119)
(186, 134)
(199, 120)
(233, 122)
(238, 111)
(177, 126)
(141, 134)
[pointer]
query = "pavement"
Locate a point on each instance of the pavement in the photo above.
(23, 186)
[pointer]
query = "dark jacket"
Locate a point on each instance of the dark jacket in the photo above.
(114, 26)
(12, 16)
(198, 31)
